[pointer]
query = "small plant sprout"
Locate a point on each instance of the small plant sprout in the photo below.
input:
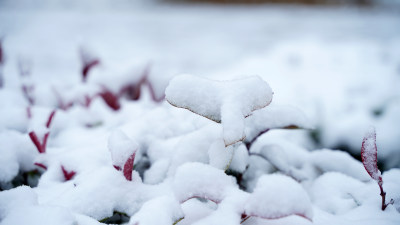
(133, 90)
(41, 145)
(123, 151)
(110, 99)
(88, 62)
(369, 157)
(225, 102)
(68, 175)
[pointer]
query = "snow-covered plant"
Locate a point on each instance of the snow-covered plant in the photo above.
(41, 142)
(123, 151)
(225, 102)
(154, 164)
(369, 156)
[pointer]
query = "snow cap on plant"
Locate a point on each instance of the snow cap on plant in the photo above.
(123, 150)
(225, 102)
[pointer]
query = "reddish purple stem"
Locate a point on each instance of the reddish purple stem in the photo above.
(134, 90)
(87, 66)
(50, 119)
(128, 167)
(110, 99)
(41, 165)
(41, 147)
(68, 175)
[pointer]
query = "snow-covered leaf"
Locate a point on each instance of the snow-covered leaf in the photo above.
(226, 102)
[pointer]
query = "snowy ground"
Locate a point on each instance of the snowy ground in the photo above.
(340, 66)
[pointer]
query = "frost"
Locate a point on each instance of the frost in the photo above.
(226, 102)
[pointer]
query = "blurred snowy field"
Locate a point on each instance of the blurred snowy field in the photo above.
(339, 65)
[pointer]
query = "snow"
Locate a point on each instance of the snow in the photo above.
(162, 210)
(201, 181)
(321, 62)
(277, 196)
(121, 148)
(226, 102)
(273, 117)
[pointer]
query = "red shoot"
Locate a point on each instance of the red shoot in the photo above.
(88, 62)
(128, 167)
(86, 68)
(41, 165)
(50, 119)
(68, 175)
(110, 99)
(369, 157)
(134, 90)
(40, 146)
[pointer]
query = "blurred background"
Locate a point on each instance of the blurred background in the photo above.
(337, 60)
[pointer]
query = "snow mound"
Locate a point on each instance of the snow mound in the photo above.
(277, 196)
(196, 180)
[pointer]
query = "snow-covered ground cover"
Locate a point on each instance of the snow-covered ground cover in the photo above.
(247, 138)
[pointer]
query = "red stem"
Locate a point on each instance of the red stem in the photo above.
(36, 141)
(40, 165)
(128, 167)
(87, 67)
(41, 147)
(50, 119)
(68, 175)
